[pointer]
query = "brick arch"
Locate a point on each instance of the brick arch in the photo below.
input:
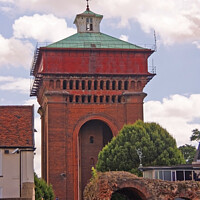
(104, 118)
(136, 187)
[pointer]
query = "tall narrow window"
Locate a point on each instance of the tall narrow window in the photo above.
(51, 84)
(119, 85)
(126, 85)
(89, 85)
(101, 85)
(1, 165)
(83, 85)
(77, 84)
(95, 84)
(58, 84)
(113, 85)
(64, 85)
(71, 84)
(89, 24)
(91, 139)
(107, 85)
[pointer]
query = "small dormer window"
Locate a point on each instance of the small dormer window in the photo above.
(89, 24)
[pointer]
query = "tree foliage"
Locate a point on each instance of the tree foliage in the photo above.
(188, 152)
(157, 145)
(42, 189)
(195, 135)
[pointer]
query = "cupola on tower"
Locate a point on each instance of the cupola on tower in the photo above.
(88, 86)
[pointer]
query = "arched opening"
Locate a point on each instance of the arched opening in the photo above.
(93, 136)
(128, 194)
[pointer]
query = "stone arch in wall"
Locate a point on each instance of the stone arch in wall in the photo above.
(93, 136)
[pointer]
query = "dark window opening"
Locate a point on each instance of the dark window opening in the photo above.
(101, 85)
(89, 99)
(126, 85)
(95, 99)
(89, 24)
(77, 84)
(188, 175)
(83, 99)
(77, 99)
(71, 84)
(107, 85)
(91, 139)
(83, 85)
(113, 85)
(179, 176)
(101, 99)
(58, 84)
(95, 85)
(113, 99)
(119, 99)
(64, 84)
(119, 85)
(89, 85)
(71, 97)
(107, 99)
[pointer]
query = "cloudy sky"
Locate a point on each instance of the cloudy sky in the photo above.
(173, 98)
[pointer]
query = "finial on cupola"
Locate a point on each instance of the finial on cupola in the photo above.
(88, 5)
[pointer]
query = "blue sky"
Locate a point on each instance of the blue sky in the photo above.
(173, 98)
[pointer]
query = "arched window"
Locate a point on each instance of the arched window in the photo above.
(71, 84)
(51, 84)
(107, 85)
(77, 99)
(119, 85)
(64, 84)
(89, 98)
(133, 85)
(113, 85)
(58, 84)
(92, 161)
(77, 84)
(107, 99)
(126, 85)
(91, 139)
(101, 85)
(83, 85)
(139, 84)
(71, 97)
(113, 99)
(95, 84)
(89, 85)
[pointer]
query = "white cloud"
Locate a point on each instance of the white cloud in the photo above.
(42, 28)
(177, 114)
(13, 84)
(15, 52)
(124, 37)
(173, 20)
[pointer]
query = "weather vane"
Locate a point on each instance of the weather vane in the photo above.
(87, 4)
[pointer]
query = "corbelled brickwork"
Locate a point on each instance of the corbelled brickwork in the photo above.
(105, 184)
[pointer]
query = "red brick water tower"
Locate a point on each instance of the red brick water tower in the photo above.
(88, 86)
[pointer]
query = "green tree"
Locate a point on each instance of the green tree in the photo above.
(195, 135)
(188, 152)
(158, 147)
(42, 189)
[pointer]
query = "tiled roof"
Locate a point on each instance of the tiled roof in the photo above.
(93, 40)
(16, 126)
